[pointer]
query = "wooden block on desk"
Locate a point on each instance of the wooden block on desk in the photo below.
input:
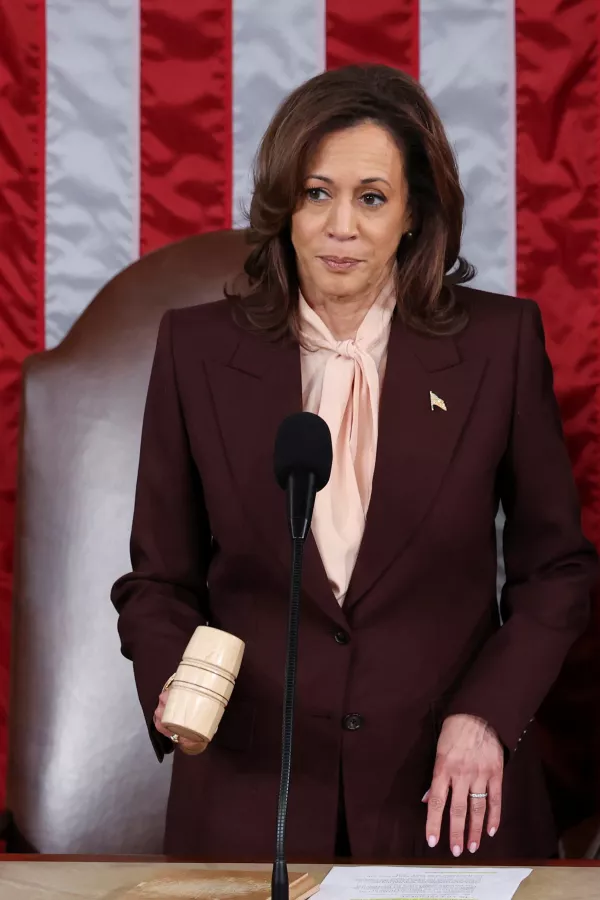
(198, 884)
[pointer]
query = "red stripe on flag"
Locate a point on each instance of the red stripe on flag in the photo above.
(558, 235)
(380, 31)
(186, 119)
(22, 171)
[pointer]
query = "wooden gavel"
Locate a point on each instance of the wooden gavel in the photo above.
(203, 683)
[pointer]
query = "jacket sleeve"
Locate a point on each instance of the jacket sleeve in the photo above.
(550, 567)
(165, 597)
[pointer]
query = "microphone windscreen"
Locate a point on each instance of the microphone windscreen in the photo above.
(303, 445)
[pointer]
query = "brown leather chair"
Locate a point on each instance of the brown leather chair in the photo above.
(83, 777)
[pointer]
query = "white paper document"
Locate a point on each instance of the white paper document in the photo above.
(416, 883)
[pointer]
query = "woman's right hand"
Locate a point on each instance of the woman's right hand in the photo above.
(191, 748)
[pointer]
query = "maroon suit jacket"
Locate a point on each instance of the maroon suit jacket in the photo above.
(419, 636)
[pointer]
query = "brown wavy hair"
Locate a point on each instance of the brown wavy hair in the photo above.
(429, 262)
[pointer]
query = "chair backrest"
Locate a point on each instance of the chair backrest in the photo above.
(82, 775)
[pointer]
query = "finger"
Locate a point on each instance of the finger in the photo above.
(196, 750)
(192, 748)
(161, 729)
(458, 815)
(157, 720)
(159, 712)
(494, 803)
(436, 802)
(477, 810)
(162, 700)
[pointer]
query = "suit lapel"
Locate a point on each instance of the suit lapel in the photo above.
(253, 392)
(415, 444)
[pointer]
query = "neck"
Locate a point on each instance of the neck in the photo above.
(343, 314)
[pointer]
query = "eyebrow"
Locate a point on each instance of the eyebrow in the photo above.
(362, 181)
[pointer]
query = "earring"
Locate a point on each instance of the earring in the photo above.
(409, 235)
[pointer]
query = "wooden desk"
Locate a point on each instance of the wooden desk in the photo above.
(68, 878)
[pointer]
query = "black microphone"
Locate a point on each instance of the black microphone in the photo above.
(302, 463)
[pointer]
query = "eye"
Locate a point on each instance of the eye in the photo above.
(372, 199)
(316, 194)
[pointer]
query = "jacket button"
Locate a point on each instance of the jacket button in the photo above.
(341, 637)
(352, 722)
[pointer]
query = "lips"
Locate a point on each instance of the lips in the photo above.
(340, 262)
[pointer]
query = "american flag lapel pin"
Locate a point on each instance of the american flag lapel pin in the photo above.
(437, 401)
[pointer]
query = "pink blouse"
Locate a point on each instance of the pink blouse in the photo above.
(341, 382)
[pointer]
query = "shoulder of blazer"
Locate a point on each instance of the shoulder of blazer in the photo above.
(494, 319)
(208, 330)
(483, 305)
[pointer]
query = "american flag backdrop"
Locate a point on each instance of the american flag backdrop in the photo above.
(127, 124)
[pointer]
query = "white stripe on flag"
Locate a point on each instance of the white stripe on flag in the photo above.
(468, 69)
(92, 152)
(276, 46)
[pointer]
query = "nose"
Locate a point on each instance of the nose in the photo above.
(341, 221)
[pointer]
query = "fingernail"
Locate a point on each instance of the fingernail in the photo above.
(456, 850)
(473, 847)
(425, 796)
(492, 832)
(432, 840)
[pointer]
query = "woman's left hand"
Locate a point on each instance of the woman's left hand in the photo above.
(469, 760)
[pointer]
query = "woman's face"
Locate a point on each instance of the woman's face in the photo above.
(353, 213)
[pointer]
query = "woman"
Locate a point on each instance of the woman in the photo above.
(412, 730)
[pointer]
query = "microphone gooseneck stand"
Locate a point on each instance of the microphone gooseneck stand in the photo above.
(279, 880)
(299, 521)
